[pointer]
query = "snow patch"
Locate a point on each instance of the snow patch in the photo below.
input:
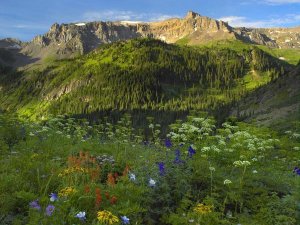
(130, 22)
(80, 24)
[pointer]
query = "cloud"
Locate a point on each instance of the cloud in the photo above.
(115, 15)
(280, 2)
(240, 21)
(30, 26)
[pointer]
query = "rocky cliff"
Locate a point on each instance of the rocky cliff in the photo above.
(273, 37)
(66, 40)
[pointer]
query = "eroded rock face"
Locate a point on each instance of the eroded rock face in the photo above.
(66, 40)
(273, 37)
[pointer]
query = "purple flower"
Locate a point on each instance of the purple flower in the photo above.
(177, 157)
(81, 216)
(125, 220)
(53, 197)
(161, 167)
(191, 151)
(296, 170)
(50, 210)
(35, 205)
(168, 143)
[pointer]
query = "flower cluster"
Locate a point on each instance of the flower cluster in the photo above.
(240, 163)
(84, 159)
(227, 181)
(50, 209)
(81, 216)
(191, 151)
(103, 159)
(296, 170)
(125, 220)
(53, 197)
(65, 192)
(203, 209)
(107, 217)
(35, 205)
(75, 169)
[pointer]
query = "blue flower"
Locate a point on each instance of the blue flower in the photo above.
(35, 205)
(125, 220)
(177, 157)
(81, 216)
(296, 170)
(191, 151)
(53, 197)
(168, 143)
(50, 209)
(161, 167)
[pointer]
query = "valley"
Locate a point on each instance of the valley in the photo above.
(179, 121)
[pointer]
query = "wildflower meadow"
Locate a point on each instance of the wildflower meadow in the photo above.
(67, 171)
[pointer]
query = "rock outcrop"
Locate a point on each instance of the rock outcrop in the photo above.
(67, 40)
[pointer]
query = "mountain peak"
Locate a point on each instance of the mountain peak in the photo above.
(191, 14)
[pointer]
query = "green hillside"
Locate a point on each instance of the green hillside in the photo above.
(141, 74)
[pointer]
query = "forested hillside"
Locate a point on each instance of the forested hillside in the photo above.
(140, 74)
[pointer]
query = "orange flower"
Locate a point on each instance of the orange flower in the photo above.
(126, 171)
(113, 200)
(98, 197)
(111, 180)
(107, 195)
(95, 173)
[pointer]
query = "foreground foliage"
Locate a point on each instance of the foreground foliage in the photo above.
(67, 171)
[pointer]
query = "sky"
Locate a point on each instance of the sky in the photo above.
(24, 19)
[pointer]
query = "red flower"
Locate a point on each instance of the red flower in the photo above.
(113, 200)
(98, 197)
(107, 195)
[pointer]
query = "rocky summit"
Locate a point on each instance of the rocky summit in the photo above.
(67, 40)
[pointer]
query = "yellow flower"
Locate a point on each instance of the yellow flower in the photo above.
(107, 217)
(66, 192)
(71, 170)
(203, 209)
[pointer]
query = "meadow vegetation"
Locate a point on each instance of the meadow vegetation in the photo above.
(70, 171)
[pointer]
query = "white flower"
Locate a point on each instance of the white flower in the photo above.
(241, 163)
(152, 182)
(81, 216)
(227, 181)
(132, 177)
(254, 171)
(212, 168)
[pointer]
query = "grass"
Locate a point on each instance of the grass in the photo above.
(291, 56)
(113, 169)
